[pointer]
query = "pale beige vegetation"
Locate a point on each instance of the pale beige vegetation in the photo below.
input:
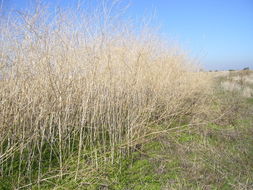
(238, 81)
(73, 83)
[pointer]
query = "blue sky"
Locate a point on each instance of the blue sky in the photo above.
(218, 33)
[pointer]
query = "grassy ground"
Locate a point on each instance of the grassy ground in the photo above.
(213, 155)
(207, 157)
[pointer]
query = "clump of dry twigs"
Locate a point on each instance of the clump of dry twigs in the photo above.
(75, 81)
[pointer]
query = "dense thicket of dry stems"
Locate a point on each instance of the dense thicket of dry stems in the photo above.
(72, 83)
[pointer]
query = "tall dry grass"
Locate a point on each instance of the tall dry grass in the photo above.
(78, 81)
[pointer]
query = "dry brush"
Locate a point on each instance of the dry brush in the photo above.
(74, 82)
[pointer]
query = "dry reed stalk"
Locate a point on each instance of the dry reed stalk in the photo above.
(72, 83)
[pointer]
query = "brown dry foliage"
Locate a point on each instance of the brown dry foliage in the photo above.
(72, 82)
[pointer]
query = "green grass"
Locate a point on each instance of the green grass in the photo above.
(213, 156)
(250, 100)
(5, 183)
(218, 158)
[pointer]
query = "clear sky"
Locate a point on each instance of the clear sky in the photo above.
(219, 33)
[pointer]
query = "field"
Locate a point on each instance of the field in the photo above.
(215, 153)
(104, 104)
